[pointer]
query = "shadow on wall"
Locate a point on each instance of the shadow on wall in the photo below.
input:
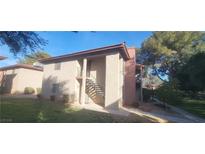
(55, 90)
(7, 83)
(114, 105)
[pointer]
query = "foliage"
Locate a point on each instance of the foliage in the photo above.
(29, 90)
(34, 57)
(39, 96)
(1, 89)
(169, 93)
(65, 98)
(52, 98)
(192, 75)
(167, 51)
(38, 90)
(147, 94)
(41, 117)
(21, 42)
(149, 80)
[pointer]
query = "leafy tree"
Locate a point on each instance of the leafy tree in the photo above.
(167, 52)
(33, 57)
(192, 75)
(21, 42)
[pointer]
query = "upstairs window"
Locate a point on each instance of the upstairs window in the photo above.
(57, 66)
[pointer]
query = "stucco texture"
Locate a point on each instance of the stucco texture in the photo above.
(16, 80)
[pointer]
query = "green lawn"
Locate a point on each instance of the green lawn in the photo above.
(194, 106)
(31, 111)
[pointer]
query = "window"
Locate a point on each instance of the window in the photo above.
(57, 66)
(55, 88)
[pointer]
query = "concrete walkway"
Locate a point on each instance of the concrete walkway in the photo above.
(124, 111)
(148, 111)
(169, 115)
(161, 118)
(98, 108)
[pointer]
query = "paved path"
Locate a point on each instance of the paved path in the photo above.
(162, 118)
(155, 113)
(167, 115)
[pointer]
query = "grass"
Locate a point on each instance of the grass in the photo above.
(20, 110)
(194, 106)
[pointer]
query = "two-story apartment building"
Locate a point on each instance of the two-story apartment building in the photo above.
(105, 76)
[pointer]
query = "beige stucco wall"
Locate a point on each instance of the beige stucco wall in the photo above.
(19, 78)
(121, 79)
(10, 80)
(65, 77)
(113, 81)
(29, 78)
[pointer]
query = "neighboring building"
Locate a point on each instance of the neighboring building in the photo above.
(105, 76)
(14, 78)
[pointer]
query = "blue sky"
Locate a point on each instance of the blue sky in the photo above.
(68, 42)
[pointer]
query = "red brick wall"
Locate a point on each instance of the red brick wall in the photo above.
(129, 95)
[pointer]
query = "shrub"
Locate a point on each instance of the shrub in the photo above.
(168, 93)
(39, 96)
(29, 90)
(38, 90)
(147, 94)
(65, 98)
(52, 98)
(1, 90)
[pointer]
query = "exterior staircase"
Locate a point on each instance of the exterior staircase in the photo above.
(94, 91)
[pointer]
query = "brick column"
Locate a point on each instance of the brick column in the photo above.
(129, 79)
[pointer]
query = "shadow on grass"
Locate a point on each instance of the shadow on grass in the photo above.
(34, 111)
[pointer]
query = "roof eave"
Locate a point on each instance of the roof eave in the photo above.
(83, 53)
(20, 66)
